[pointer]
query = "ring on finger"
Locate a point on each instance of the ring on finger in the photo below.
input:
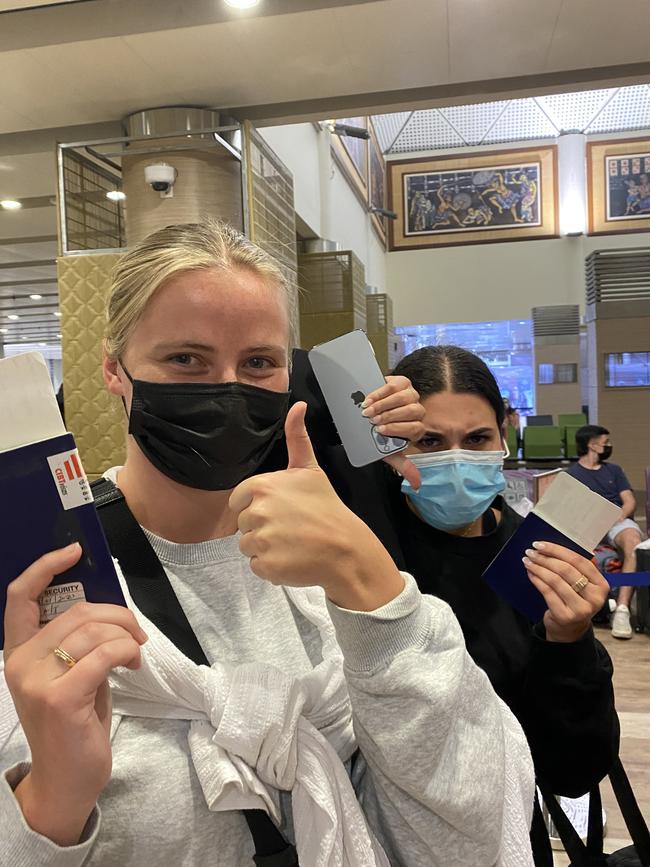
(64, 656)
(580, 584)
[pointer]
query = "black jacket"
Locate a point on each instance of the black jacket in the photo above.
(562, 694)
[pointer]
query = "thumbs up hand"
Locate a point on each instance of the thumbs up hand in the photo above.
(297, 532)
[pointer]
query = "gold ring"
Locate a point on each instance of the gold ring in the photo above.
(580, 584)
(64, 656)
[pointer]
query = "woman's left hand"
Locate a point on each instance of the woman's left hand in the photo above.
(555, 571)
(297, 532)
(396, 410)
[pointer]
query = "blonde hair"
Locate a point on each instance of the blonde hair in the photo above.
(168, 252)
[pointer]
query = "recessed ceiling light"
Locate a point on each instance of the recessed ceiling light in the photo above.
(116, 195)
(59, 335)
(10, 204)
(42, 344)
(56, 313)
(4, 331)
(242, 4)
(36, 297)
(23, 338)
(13, 316)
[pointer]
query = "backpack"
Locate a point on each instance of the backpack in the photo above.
(590, 854)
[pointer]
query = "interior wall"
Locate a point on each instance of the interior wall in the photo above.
(326, 205)
(480, 282)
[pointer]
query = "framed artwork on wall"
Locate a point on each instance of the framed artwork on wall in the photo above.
(376, 183)
(506, 195)
(618, 173)
(351, 155)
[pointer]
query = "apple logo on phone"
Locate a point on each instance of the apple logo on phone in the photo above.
(358, 397)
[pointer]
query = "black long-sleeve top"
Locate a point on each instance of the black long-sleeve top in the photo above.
(562, 693)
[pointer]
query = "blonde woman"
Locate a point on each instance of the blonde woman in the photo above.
(325, 660)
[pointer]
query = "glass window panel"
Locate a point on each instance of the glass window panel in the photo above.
(545, 374)
(627, 369)
(505, 345)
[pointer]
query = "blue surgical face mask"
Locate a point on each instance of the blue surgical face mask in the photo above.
(458, 486)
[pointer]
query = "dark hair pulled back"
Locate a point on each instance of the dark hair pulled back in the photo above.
(433, 369)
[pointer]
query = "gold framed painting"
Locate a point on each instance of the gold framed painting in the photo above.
(508, 195)
(351, 155)
(618, 174)
(376, 183)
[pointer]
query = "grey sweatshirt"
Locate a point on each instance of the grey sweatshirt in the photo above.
(444, 776)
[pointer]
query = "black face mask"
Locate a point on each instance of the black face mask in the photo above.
(605, 455)
(203, 435)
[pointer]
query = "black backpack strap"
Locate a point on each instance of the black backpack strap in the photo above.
(153, 594)
(575, 848)
(632, 815)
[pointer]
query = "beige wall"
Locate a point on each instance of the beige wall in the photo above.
(480, 282)
(325, 203)
(624, 411)
(563, 397)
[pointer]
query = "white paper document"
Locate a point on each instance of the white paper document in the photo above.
(578, 512)
(29, 412)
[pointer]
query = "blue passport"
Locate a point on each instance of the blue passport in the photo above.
(46, 502)
(568, 514)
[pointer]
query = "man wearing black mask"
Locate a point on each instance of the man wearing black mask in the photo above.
(594, 470)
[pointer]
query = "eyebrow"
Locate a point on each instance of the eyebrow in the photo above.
(204, 347)
(472, 433)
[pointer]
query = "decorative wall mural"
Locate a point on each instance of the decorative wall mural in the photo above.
(376, 183)
(491, 197)
(619, 185)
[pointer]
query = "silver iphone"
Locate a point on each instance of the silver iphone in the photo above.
(347, 371)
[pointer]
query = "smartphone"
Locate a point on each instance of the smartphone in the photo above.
(347, 371)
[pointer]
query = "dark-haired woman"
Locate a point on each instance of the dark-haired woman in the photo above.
(554, 675)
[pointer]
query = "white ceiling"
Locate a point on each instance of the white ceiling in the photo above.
(96, 61)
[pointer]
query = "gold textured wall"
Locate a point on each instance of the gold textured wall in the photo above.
(332, 295)
(96, 419)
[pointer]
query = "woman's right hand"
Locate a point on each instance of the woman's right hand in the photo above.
(65, 712)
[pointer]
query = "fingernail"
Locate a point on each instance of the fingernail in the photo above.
(530, 553)
(365, 412)
(382, 428)
(143, 636)
(526, 561)
(367, 402)
(70, 548)
(540, 546)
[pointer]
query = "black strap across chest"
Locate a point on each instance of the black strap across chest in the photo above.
(154, 595)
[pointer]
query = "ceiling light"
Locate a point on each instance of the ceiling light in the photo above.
(56, 313)
(36, 297)
(4, 331)
(242, 4)
(42, 344)
(10, 204)
(59, 335)
(13, 317)
(116, 195)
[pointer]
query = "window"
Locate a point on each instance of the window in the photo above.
(557, 374)
(627, 369)
(504, 345)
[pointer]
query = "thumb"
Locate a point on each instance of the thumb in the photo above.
(299, 447)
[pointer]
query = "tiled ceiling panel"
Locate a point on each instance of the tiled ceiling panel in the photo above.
(427, 130)
(591, 112)
(629, 109)
(522, 119)
(472, 122)
(570, 111)
(388, 127)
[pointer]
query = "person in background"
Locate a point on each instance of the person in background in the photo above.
(595, 471)
(554, 675)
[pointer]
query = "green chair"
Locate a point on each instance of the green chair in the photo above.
(570, 448)
(543, 443)
(572, 419)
